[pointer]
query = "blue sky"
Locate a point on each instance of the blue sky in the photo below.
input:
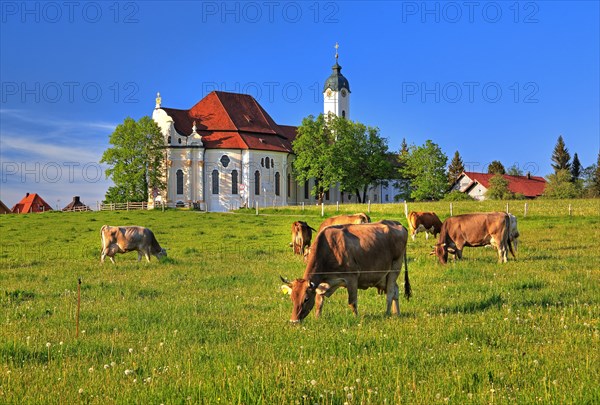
(493, 80)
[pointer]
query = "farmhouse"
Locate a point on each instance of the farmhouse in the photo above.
(477, 184)
(31, 203)
(227, 152)
(4, 209)
(76, 205)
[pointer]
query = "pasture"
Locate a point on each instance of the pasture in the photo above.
(209, 324)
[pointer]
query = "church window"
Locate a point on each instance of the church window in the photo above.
(262, 162)
(179, 140)
(327, 195)
(257, 182)
(169, 140)
(272, 164)
(179, 175)
(343, 113)
(268, 163)
(289, 185)
(215, 181)
(277, 186)
(225, 160)
(306, 190)
(234, 182)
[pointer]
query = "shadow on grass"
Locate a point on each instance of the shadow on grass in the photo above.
(495, 301)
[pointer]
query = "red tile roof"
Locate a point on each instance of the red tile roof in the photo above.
(31, 203)
(532, 186)
(233, 121)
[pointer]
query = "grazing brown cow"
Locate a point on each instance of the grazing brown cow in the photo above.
(123, 239)
(423, 221)
(360, 218)
(351, 256)
(301, 237)
(479, 229)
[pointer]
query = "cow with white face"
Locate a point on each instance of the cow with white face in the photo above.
(123, 239)
(354, 257)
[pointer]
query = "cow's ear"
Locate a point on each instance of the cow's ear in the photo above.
(286, 289)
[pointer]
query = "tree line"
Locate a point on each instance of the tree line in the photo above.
(337, 151)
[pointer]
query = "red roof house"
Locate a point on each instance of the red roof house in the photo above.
(477, 184)
(31, 203)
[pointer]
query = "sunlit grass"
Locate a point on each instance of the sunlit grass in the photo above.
(209, 324)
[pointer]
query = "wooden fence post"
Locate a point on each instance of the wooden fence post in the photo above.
(525, 211)
(570, 210)
(369, 207)
(302, 205)
(337, 206)
(405, 209)
(256, 205)
(78, 305)
(450, 209)
(507, 208)
(322, 209)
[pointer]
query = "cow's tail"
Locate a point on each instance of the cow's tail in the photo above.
(407, 289)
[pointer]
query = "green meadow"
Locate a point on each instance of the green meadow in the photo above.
(209, 324)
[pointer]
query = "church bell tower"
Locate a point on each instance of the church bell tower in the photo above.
(336, 92)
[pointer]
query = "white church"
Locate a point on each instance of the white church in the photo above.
(226, 152)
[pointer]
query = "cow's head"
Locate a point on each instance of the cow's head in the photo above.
(364, 218)
(162, 253)
(304, 294)
(441, 251)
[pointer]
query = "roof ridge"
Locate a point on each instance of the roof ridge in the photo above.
(225, 109)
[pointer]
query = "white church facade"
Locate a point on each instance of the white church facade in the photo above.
(226, 152)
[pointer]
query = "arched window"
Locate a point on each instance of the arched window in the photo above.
(234, 182)
(257, 182)
(262, 162)
(277, 181)
(272, 163)
(268, 163)
(169, 140)
(343, 113)
(289, 185)
(215, 181)
(179, 140)
(179, 175)
(306, 190)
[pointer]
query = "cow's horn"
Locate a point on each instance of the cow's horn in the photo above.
(285, 280)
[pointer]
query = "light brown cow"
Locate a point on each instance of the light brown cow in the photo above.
(123, 239)
(423, 221)
(351, 256)
(301, 237)
(360, 218)
(474, 230)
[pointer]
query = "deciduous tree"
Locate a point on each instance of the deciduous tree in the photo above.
(426, 167)
(499, 188)
(135, 160)
(496, 167)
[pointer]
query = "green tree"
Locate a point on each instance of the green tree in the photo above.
(560, 156)
(426, 167)
(560, 185)
(135, 160)
(514, 170)
(361, 157)
(455, 169)
(337, 150)
(402, 182)
(496, 167)
(591, 179)
(313, 147)
(575, 168)
(498, 189)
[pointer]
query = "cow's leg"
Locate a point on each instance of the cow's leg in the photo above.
(392, 299)
(426, 235)
(319, 301)
(413, 235)
(102, 255)
(112, 259)
(353, 300)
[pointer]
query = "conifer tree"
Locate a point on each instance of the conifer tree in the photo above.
(575, 168)
(561, 156)
(455, 169)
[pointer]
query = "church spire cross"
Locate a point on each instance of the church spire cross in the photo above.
(336, 51)
(158, 100)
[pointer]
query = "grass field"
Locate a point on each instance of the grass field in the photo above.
(210, 325)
